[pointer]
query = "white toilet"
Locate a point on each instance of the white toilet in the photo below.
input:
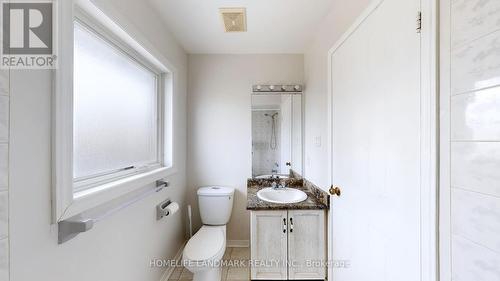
(203, 252)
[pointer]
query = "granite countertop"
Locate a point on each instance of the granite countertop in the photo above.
(316, 198)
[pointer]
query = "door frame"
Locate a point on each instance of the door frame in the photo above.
(445, 138)
(429, 109)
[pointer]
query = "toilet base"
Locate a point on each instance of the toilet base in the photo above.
(210, 274)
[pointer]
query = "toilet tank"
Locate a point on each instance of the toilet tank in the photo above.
(216, 204)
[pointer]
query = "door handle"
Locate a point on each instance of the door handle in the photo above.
(284, 225)
(291, 225)
(335, 191)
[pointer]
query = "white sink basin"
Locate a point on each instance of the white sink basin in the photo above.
(281, 195)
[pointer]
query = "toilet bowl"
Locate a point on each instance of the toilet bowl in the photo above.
(204, 251)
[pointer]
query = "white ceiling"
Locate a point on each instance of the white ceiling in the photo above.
(274, 26)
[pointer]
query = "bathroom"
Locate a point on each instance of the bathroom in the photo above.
(247, 140)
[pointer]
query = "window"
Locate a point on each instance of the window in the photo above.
(113, 112)
(116, 111)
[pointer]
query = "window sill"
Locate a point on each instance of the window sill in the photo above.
(91, 198)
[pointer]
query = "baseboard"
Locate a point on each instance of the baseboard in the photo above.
(166, 274)
(238, 243)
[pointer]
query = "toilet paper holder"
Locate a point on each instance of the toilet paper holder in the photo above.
(161, 209)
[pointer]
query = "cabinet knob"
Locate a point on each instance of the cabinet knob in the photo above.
(335, 191)
(284, 225)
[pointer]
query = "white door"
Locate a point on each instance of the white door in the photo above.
(306, 244)
(375, 72)
(268, 235)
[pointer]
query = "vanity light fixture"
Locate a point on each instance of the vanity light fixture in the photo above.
(284, 88)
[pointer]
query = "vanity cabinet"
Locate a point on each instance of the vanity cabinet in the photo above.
(288, 245)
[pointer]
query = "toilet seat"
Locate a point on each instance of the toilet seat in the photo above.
(207, 244)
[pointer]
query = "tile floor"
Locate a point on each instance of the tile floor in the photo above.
(228, 273)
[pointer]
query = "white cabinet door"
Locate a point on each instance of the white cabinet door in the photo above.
(306, 244)
(269, 231)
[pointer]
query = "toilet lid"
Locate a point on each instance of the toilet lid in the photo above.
(215, 190)
(205, 244)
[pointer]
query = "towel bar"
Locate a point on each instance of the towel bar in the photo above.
(71, 227)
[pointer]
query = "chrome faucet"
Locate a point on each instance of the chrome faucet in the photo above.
(277, 185)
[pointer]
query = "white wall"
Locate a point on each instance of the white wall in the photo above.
(219, 123)
(121, 246)
(342, 15)
(470, 140)
(4, 174)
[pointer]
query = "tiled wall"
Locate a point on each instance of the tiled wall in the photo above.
(263, 157)
(475, 139)
(4, 183)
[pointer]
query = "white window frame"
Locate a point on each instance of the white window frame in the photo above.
(71, 197)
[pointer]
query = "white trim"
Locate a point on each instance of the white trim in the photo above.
(65, 203)
(357, 23)
(429, 139)
(177, 258)
(62, 161)
(429, 128)
(91, 198)
(238, 243)
(445, 269)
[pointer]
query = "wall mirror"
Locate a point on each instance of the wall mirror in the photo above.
(276, 134)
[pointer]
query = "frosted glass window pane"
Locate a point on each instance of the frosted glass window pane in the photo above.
(115, 108)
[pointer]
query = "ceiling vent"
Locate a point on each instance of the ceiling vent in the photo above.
(235, 19)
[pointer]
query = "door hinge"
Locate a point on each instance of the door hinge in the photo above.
(419, 22)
